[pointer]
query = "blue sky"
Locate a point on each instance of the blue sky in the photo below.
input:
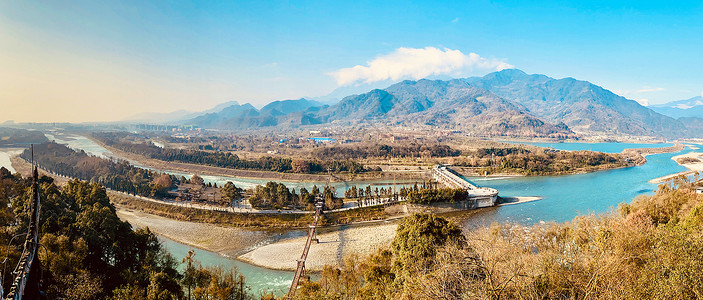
(118, 58)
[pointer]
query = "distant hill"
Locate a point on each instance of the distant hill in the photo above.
(238, 116)
(581, 105)
(683, 108)
(15, 136)
(280, 108)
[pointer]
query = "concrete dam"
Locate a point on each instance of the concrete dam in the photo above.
(477, 196)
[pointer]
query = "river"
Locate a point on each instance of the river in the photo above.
(259, 280)
(564, 197)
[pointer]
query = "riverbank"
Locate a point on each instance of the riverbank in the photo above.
(686, 160)
(228, 241)
(644, 152)
(332, 249)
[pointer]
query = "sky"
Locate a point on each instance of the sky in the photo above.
(86, 61)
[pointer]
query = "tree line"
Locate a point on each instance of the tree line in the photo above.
(228, 159)
(116, 175)
(412, 150)
(547, 162)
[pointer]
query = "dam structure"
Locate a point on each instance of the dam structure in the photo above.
(477, 196)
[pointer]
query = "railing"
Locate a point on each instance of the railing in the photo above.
(24, 268)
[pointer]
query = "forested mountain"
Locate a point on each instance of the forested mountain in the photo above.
(581, 105)
(450, 104)
(508, 102)
(683, 108)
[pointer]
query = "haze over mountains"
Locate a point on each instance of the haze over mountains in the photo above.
(508, 102)
(683, 108)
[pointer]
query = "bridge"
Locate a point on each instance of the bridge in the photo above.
(312, 236)
(27, 283)
(479, 196)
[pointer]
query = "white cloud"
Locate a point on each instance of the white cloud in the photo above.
(455, 20)
(649, 89)
(416, 63)
(643, 102)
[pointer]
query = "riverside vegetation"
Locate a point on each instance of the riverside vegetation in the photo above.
(91, 254)
(360, 157)
(649, 249)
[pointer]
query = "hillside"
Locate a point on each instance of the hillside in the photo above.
(505, 103)
(581, 105)
(450, 104)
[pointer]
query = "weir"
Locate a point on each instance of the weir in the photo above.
(477, 196)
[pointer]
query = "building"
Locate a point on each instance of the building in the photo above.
(699, 190)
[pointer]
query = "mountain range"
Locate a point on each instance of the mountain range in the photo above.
(508, 102)
(683, 108)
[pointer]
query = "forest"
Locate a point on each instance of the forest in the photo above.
(412, 150)
(651, 248)
(545, 162)
(89, 253)
(226, 159)
(116, 175)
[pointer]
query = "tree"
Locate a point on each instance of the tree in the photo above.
(230, 193)
(163, 287)
(197, 180)
(331, 200)
(189, 279)
(416, 240)
(300, 166)
(161, 185)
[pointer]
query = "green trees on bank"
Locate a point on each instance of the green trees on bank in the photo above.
(276, 195)
(523, 161)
